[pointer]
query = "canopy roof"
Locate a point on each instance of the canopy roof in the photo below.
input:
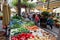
(57, 10)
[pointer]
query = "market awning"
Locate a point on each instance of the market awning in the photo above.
(6, 14)
(57, 10)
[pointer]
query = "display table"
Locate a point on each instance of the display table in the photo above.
(40, 34)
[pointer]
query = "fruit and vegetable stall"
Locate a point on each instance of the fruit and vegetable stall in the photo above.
(27, 30)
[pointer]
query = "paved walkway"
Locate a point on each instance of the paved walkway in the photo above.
(54, 31)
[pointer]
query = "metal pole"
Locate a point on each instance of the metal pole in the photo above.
(48, 4)
(19, 7)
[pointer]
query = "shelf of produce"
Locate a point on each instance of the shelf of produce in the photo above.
(21, 30)
(40, 34)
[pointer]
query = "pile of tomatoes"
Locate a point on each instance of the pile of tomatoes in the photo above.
(23, 36)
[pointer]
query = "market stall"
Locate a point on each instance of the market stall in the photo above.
(27, 30)
(57, 22)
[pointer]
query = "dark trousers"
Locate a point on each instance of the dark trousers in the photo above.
(51, 26)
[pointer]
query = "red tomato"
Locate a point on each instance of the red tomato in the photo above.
(14, 38)
(31, 35)
(22, 38)
(23, 34)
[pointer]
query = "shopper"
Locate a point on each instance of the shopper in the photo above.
(37, 19)
(26, 18)
(39, 15)
(23, 14)
(50, 22)
(33, 17)
(43, 21)
(30, 16)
